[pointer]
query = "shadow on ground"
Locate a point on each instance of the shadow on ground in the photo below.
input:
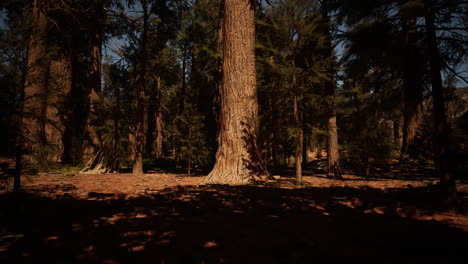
(229, 224)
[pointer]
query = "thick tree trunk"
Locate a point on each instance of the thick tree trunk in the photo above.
(94, 86)
(35, 86)
(74, 119)
(237, 158)
(60, 85)
(75, 114)
(441, 129)
(94, 153)
(412, 84)
(333, 154)
(139, 136)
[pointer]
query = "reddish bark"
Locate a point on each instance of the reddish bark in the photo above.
(237, 158)
(35, 86)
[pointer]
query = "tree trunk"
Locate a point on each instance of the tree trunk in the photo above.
(35, 86)
(333, 154)
(139, 140)
(189, 159)
(19, 139)
(158, 143)
(115, 162)
(94, 84)
(75, 114)
(299, 141)
(60, 85)
(237, 158)
(94, 153)
(441, 129)
(397, 133)
(298, 125)
(412, 84)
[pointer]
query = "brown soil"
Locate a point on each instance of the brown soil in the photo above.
(169, 218)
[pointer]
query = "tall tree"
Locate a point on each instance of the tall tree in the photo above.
(237, 158)
(441, 129)
(137, 135)
(60, 84)
(35, 85)
(411, 64)
(333, 154)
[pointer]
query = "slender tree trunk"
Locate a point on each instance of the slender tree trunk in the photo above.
(298, 125)
(140, 112)
(397, 133)
(237, 158)
(150, 132)
(441, 129)
(189, 160)
(412, 83)
(158, 143)
(35, 86)
(115, 142)
(274, 149)
(299, 141)
(333, 154)
(19, 139)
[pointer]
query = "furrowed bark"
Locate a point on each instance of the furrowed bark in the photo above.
(35, 86)
(237, 158)
(60, 85)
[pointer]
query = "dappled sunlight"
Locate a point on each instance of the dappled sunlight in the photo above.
(208, 223)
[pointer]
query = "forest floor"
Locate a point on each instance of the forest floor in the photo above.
(392, 217)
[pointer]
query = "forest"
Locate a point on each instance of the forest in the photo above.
(227, 131)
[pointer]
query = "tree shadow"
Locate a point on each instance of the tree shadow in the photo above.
(230, 224)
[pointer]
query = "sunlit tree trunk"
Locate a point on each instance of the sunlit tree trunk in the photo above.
(412, 83)
(35, 86)
(441, 129)
(237, 158)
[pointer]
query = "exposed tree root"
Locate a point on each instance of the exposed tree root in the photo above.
(97, 165)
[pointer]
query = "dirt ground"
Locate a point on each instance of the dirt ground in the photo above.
(173, 218)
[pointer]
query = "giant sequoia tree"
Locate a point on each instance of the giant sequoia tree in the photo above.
(237, 158)
(35, 85)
